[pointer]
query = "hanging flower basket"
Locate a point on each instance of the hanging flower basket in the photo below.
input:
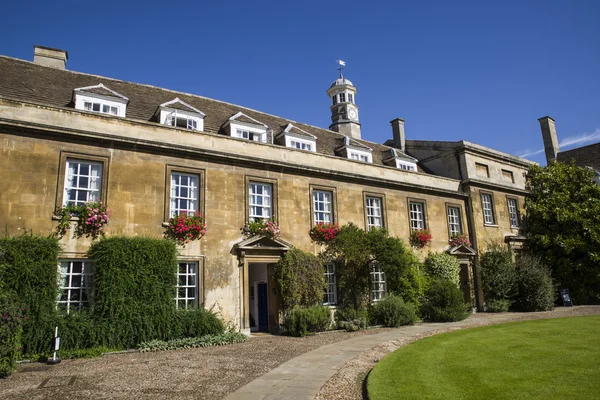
(92, 218)
(323, 233)
(184, 228)
(459, 239)
(419, 238)
(263, 227)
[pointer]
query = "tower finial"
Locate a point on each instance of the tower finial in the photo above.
(341, 66)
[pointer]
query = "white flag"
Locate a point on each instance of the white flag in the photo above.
(342, 63)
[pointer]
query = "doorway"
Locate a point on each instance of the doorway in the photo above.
(263, 307)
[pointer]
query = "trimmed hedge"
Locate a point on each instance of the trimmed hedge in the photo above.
(444, 303)
(193, 342)
(134, 288)
(392, 311)
(300, 321)
(28, 271)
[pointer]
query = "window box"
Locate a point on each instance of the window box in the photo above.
(323, 233)
(264, 227)
(91, 219)
(185, 227)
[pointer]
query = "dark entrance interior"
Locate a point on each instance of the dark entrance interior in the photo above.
(263, 307)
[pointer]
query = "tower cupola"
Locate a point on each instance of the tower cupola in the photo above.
(344, 112)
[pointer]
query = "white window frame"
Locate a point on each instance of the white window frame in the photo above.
(301, 144)
(169, 117)
(405, 165)
(81, 98)
(92, 193)
(417, 215)
(330, 294)
(191, 198)
(513, 212)
(342, 97)
(70, 297)
(454, 223)
(377, 282)
(374, 206)
(350, 98)
(322, 206)
(334, 99)
(358, 155)
(487, 207)
(260, 196)
(190, 277)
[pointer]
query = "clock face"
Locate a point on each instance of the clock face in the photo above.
(352, 113)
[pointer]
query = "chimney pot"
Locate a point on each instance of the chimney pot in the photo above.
(398, 131)
(550, 139)
(50, 57)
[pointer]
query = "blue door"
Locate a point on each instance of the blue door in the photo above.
(263, 307)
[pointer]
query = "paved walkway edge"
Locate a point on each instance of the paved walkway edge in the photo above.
(302, 377)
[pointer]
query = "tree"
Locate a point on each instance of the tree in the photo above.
(354, 252)
(562, 223)
(299, 279)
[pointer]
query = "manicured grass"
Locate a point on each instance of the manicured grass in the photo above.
(543, 359)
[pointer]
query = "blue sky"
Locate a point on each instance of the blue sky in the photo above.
(480, 71)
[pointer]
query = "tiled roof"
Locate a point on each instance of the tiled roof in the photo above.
(101, 90)
(586, 156)
(25, 81)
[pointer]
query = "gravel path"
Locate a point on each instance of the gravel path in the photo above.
(349, 382)
(206, 373)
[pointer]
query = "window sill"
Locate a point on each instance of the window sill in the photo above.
(165, 224)
(490, 225)
(57, 218)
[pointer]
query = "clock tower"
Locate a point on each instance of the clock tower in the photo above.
(344, 112)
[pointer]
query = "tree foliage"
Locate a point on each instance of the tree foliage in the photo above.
(498, 277)
(443, 266)
(562, 223)
(354, 252)
(300, 280)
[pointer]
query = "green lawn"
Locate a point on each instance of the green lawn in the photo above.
(543, 359)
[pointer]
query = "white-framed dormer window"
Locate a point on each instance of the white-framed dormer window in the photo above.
(297, 138)
(360, 156)
(242, 126)
(181, 115)
(406, 165)
(100, 99)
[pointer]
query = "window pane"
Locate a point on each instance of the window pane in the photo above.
(186, 291)
(417, 220)
(184, 193)
(454, 221)
(82, 182)
(75, 285)
(322, 206)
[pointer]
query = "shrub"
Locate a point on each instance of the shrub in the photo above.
(535, 291)
(134, 289)
(300, 280)
(323, 233)
(12, 316)
(184, 228)
(351, 319)
(393, 312)
(302, 320)
(29, 274)
(443, 266)
(444, 302)
(498, 305)
(497, 274)
(419, 238)
(198, 322)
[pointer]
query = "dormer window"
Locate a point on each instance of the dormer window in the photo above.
(355, 150)
(181, 115)
(242, 126)
(397, 158)
(100, 99)
(297, 138)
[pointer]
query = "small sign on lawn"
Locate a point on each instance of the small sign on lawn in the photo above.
(566, 299)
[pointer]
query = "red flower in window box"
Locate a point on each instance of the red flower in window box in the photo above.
(323, 233)
(419, 238)
(92, 218)
(184, 228)
(459, 239)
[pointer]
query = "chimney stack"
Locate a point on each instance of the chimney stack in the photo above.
(398, 131)
(49, 57)
(550, 138)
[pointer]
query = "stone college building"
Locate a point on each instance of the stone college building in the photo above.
(150, 153)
